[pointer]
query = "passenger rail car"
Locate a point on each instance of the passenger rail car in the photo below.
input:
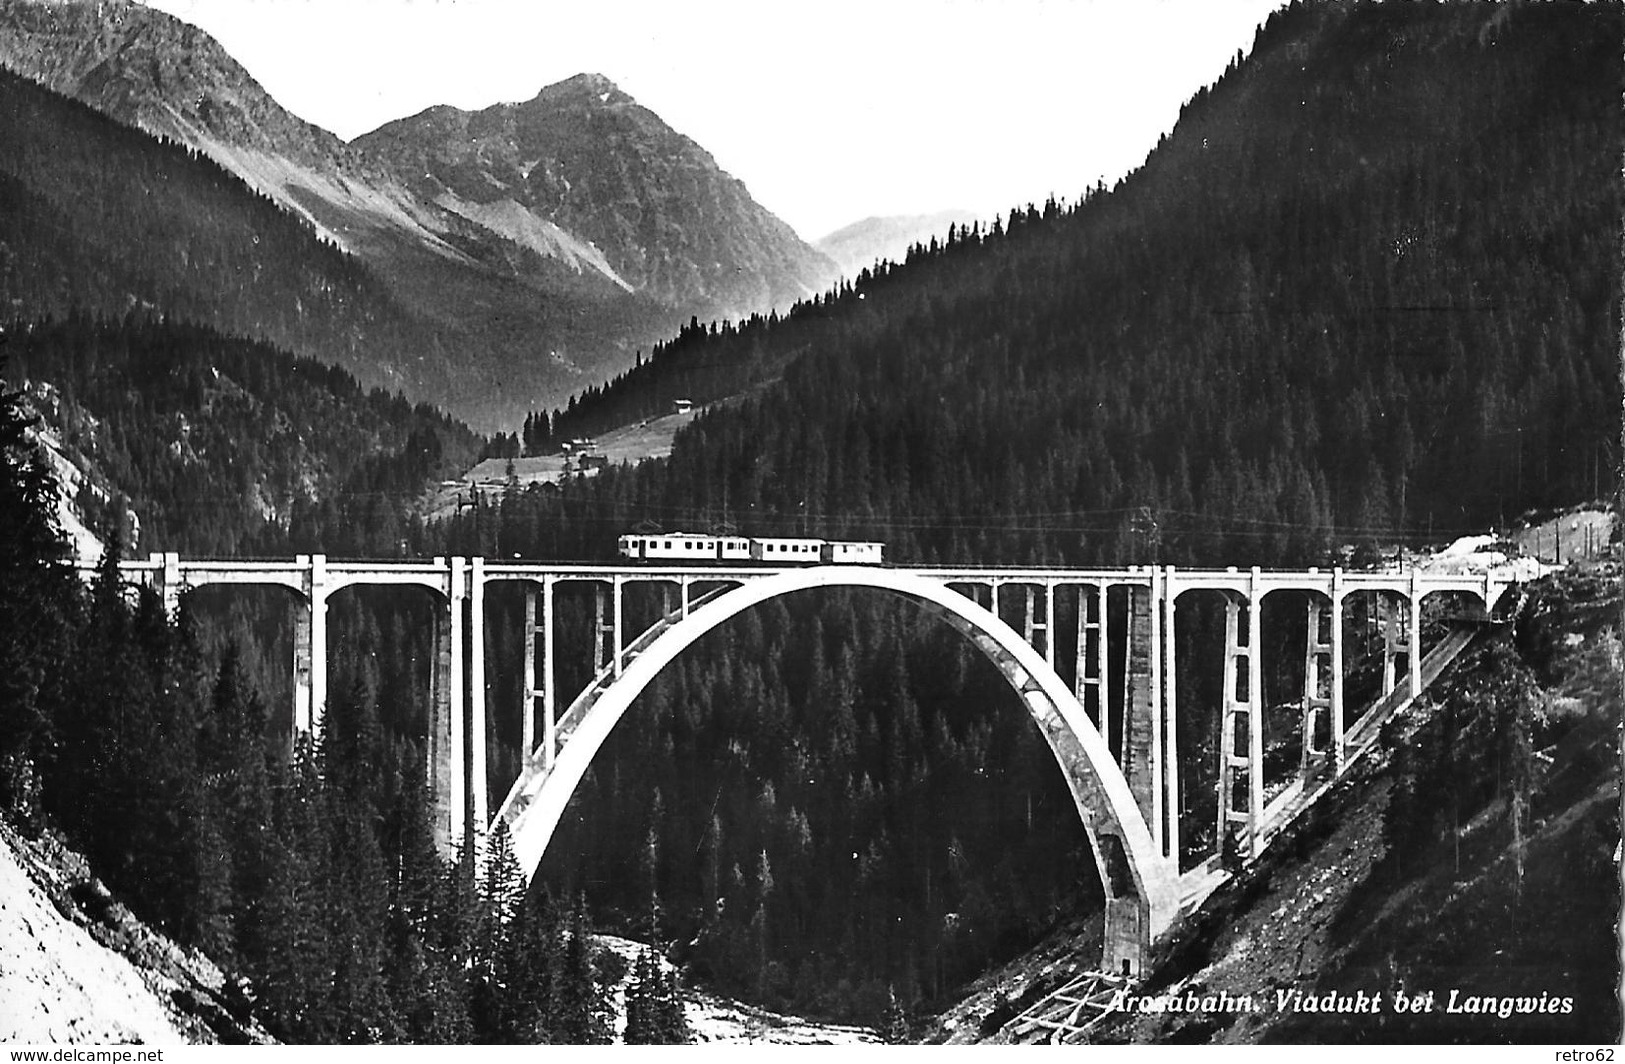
(697, 547)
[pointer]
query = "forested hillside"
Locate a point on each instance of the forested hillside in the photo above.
(1366, 289)
(226, 446)
(1365, 293)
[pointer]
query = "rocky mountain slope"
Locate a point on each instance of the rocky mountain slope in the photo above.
(76, 967)
(552, 238)
(583, 171)
(150, 70)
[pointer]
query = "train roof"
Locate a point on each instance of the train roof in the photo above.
(680, 535)
(760, 539)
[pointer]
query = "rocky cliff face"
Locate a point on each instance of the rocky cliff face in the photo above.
(148, 69)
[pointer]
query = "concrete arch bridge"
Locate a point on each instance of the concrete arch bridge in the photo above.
(1090, 652)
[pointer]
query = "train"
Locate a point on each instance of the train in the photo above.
(770, 550)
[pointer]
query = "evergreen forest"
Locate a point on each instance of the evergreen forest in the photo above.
(231, 447)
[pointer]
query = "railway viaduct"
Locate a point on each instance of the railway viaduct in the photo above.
(1101, 690)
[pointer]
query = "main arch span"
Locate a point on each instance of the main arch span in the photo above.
(1141, 887)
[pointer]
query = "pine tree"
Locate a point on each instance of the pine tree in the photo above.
(670, 1020)
(642, 1023)
(896, 1020)
(497, 998)
(414, 967)
(295, 972)
(580, 1014)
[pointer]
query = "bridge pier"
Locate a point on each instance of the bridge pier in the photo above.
(608, 621)
(549, 704)
(1393, 642)
(309, 710)
(1093, 663)
(1336, 694)
(539, 641)
(478, 783)
(170, 583)
(1036, 623)
(1142, 723)
(1170, 735)
(446, 745)
(1413, 654)
(1317, 700)
(527, 698)
(303, 673)
(1242, 710)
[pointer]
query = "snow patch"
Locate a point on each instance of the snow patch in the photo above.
(716, 1019)
(1467, 545)
(1485, 554)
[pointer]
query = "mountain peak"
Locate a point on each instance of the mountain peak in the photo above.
(582, 86)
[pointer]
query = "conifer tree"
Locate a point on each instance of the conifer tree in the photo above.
(896, 1020)
(415, 960)
(580, 1012)
(295, 971)
(642, 1023)
(38, 611)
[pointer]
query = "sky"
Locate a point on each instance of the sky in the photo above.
(830, 112)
